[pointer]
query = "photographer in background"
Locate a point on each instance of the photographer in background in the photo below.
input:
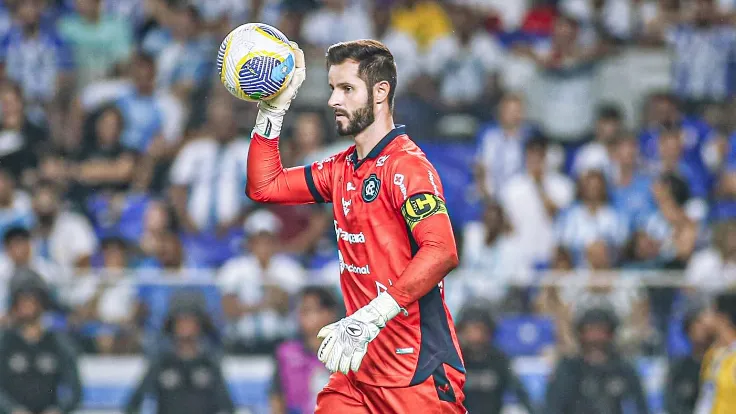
(489, 372)
(598, 380)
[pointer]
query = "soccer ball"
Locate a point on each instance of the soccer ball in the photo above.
(255, 62)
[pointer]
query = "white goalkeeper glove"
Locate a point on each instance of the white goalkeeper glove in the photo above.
(346, 341)
(271, 113)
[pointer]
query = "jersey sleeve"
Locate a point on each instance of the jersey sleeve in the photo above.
(416, 190)
(268, 181)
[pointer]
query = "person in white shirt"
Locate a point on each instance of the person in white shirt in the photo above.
(208, 175)
(465, 62)
(492, 257)
(713, 270)
(532, 199)
(336, 21)
(256, 287)
(599, 153)
(592, 220)
(501, 146)
(63, 237)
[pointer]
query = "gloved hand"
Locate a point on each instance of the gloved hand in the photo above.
(271, 113)
(346, 341)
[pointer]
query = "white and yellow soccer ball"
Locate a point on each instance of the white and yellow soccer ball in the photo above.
(255, 62)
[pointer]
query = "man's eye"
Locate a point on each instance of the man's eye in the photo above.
(348, 88)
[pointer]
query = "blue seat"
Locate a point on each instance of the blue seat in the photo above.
(525, 335)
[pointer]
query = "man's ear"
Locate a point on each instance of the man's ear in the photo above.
(381, 91)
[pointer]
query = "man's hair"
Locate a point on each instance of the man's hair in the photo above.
(537, 142)
(610, 112)
(376, 63)
(325, 298)
(16, 233)
(725, 304)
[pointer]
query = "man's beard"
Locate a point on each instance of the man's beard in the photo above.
(359, 120)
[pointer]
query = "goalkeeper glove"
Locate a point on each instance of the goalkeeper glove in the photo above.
(271, 113)
(346, 341)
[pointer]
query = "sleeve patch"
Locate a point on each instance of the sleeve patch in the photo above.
(420, 206)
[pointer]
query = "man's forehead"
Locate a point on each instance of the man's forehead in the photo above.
(346, 71)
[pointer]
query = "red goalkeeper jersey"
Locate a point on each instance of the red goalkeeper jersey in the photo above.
(388, 208)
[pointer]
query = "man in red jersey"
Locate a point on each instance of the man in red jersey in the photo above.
(394, 238)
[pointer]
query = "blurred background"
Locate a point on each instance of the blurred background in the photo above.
(587, 149)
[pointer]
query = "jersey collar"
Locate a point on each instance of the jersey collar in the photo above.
(383, 143)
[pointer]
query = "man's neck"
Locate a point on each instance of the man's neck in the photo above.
(367, 139)
(728, 336)
(187, 350)
(93, 18)
(31, 30)
(625, 175)
(511, 130)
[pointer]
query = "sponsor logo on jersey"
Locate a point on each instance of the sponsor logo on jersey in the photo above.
(404, 351)
(382, 160)
(431, 180)
(351, 238)
(346, 206)
(351, 268)
(420, 206)
(399, 180)
(350, 186)
(321, 164)
(371, 187)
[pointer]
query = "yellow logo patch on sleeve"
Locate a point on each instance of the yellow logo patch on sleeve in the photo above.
(420, 206)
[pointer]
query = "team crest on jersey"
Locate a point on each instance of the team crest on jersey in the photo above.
(371, 187)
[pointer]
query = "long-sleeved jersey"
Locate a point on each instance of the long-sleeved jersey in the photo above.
(393, 234)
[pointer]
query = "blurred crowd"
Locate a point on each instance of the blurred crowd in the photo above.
(123, 160)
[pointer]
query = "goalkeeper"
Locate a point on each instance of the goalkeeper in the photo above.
(397, 351)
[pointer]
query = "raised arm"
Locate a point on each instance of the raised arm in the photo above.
(268, 181)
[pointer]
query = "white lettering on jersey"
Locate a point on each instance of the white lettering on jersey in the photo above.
(382, 160)
(351, 268)
(431, 180)
(320, 164)
(351, 186)
(346, 206)
(399, 180)
(351, 238)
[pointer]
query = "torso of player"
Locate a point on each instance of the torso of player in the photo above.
(718, 394)
(375, 246)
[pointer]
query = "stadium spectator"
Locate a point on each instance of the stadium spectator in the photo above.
(182, 53)
(38, 371)
(493, 259)
(34, 55)
(592, 219)
(567, 69)
(109, 305)
(15, 205)
(185, 377)
(19, 255)
(713, 269)
(630, 184)
(157, 223)
(606, 19)
(208, 176)
(672, 161)
(424, 20)
(256, 288)
(104, 165)
(99, 41)
(337, 21)
(599, 379)
(654, 18)
(703, 49)
(153, 121)
(532, 200)
(683, 378)
(64, 237)
(490, 376)
(402, 45)
(299, 375)
(599, 153)
(500, 153)
(465, 64)
(21, 140)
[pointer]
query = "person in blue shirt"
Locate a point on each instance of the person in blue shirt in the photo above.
(33, 54)
(673, 159)
(141, 111)
(663, 113)
(15, 205)
(630, 184)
